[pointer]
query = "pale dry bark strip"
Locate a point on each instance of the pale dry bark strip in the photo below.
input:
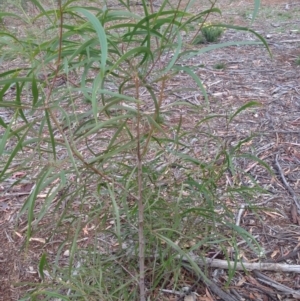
(224, 264)
(240, 213)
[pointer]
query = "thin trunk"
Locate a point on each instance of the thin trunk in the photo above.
(140, 203)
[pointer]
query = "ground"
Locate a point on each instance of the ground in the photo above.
(250, 74)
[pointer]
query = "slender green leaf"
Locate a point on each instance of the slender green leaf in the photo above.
(176, 54)
(51, 195)
(29, 204)
(97, 84)
(255, 10)
(15, 80)
(18, 101)
(260, 37)
(3, 91)
(101, 36)
(17, 148)
(42, 265)
(4, 74)
(156, 125)
(244, 107)
(4, 138)
(35, 91)
(50, 129)
(51, 294)
(194, 77)
(3, 124)
(44, 12)
(182, 254)
(256, 159)
(132, 52)
(3, 35)
(116, 211)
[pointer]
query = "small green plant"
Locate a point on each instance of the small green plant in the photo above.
(211, 33)
(297, 61)
(284, 15)
(200, 39)
(220, 66)
(115, 163)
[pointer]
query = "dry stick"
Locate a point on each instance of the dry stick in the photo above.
(245, 266)
(236, 294)
(223, 295)
(266, 290)
(285, 289)
(224, 264)
(287, 186)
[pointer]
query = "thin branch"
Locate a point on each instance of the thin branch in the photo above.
(224, 264)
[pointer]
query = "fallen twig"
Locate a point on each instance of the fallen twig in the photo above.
(224, 264)
(277, 285)
(266, 290)
(287, 186)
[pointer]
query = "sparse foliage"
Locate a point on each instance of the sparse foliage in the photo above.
(117, 180)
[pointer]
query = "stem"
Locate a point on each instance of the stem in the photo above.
(48, 96)
(140, 201)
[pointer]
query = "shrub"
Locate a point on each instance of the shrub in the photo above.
(119, 189)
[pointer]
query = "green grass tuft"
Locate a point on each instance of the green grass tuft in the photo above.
(220, 66)
(211, 33)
